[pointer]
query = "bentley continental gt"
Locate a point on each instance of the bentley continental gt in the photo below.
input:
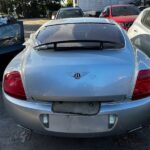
(79, 77)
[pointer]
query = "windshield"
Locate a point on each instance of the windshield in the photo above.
(124, 11)
(82, 35)
(72, 13)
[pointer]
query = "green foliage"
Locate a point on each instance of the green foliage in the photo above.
(29, 8)
(69, 3)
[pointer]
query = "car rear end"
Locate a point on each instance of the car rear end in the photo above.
(69, 12)
(78, 88)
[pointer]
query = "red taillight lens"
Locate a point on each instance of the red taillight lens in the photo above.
(13, 85)
(142, 87)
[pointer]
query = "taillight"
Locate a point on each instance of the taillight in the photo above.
(13, 85)
(142, 87)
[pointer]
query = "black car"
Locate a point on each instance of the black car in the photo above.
(11, 42)
(69, 12)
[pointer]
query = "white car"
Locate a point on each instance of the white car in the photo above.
(139, 33)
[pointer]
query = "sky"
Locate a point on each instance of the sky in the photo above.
(65, 1)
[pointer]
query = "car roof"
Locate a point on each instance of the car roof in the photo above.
(70, 8)
(79, 20)
(122, 5)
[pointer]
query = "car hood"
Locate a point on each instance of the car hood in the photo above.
(124, 19)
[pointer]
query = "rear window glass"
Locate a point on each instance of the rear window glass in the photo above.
(125, 11)
(78, 35)
(69, 14)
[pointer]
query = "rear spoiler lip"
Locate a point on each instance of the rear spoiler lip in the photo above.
(122, 45)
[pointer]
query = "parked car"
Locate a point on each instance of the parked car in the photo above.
(141, 8)
(98, 5)
(11, 42)
(69, 12)
(79, 77)
(90, 14)
(139, 33)
(125, 15)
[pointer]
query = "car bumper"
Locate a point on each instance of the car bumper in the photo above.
(128, 116)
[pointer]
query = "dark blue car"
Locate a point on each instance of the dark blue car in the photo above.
(11, 42)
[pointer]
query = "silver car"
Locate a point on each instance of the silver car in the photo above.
(79, 77)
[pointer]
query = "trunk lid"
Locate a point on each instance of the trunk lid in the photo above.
(79, 76)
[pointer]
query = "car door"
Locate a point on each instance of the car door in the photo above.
(11, 38)
(141, 33)
(11, 41)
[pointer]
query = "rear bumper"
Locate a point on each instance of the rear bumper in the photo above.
(129, 115)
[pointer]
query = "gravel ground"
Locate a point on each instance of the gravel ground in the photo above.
(12, 137)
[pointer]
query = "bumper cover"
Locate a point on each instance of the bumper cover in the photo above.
(129, 115)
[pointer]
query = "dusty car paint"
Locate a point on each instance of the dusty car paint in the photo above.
(107, 77)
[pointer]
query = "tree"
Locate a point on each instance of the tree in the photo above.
(69, 3)
(29, 8)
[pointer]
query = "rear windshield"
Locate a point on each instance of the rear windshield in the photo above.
(86, 35)
(125, 11)
(73, 13)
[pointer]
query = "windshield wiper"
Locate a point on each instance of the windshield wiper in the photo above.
(54, 45)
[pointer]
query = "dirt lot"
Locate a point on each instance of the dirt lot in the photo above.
(13, 137)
